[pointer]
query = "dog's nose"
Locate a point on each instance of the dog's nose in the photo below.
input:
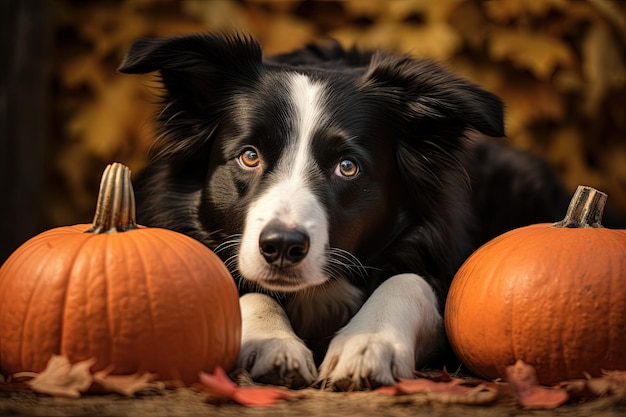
(283, 246)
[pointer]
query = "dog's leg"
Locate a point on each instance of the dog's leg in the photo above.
(270, 350)
(396, 327)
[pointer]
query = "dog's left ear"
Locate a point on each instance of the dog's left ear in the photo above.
(435, 94)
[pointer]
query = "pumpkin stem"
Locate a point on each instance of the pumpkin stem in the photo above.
(585, 209)
(115, 210)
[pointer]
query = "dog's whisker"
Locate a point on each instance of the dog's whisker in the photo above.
(227, 251)
(231, 242)
(344, 254)
(231, 264)
(341, 262)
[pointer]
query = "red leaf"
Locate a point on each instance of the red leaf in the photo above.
(220, 386)
(452, 391)
(260, 396)
(522, 379)
(389, 390)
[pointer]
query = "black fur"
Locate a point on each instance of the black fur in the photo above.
(438, 180)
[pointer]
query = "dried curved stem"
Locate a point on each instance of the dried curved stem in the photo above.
(585, 209)
(115, 209)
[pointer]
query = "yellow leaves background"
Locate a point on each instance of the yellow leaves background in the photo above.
(559, 65)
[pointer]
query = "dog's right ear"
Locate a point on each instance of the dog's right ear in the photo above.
(189, 52)
(199, 74)
(195, 62)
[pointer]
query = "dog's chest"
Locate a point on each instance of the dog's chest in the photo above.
(319, 312)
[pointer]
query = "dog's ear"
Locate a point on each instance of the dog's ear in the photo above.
(199, 74)
(194, 65)
(436, 95)
(189, 52)
(433, 110)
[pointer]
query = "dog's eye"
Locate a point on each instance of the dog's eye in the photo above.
(250, 158)
(347, 168)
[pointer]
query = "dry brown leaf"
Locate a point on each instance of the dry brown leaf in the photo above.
(110, 29)
(287, 34)
(568, 150)
(504, 10)
(537, 52)
(472, 26)
(383, 35)
(211, 14)
(361, 8)
(94, 126)
(610, 383)
(436, 40)
(127, 385)
(603, 66)
(433, 11)
(528, 102)
(522, 379)
(81, 71)
(62, 379)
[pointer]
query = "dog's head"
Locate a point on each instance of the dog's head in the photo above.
(306, 167)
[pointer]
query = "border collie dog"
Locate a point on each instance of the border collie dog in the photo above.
(342, 188)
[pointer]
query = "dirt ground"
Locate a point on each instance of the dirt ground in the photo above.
(310, 403)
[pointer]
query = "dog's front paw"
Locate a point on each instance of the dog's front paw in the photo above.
(278, 361)
(365, 360)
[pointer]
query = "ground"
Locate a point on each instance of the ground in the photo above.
(310, 403)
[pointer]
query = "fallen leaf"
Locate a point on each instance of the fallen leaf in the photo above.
(412, 386)
(11, 384)
(610, 383)
(445, 390)
(218, 385)
(62, 379)
(524, 385)
(389, 390)
(444, 376)
(127, 385)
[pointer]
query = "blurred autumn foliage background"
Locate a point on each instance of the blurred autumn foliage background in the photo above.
(559, 65)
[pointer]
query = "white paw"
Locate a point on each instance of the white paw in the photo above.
(278, 361)
(365, 360)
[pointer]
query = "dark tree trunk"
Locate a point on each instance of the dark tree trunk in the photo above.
(24, 81)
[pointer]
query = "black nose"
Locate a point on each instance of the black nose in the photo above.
(283, 246)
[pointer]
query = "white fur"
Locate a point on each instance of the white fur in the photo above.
(291, 200)
(270, 349)
(385, 339)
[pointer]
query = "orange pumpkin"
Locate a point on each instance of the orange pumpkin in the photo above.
(136, 299)
(553, 296)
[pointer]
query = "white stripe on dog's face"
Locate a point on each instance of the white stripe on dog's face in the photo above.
(290, 200)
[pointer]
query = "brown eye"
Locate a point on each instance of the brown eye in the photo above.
(347, 168)
(250, 158)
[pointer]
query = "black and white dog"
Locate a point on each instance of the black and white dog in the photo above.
(342, 189)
